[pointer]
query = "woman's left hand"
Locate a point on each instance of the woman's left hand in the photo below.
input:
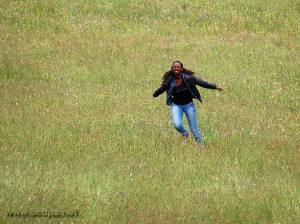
(219, 88)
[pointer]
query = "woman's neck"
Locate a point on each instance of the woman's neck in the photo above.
(178, 79)
(178, 76)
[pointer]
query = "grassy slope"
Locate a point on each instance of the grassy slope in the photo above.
(80, 130)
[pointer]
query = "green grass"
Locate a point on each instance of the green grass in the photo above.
(80, 130)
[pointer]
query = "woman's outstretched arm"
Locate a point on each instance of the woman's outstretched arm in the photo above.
(160, 90)
(208, 85)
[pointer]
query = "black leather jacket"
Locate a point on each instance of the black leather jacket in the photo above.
(190, 80)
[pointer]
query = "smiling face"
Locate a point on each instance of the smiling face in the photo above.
(177, 68)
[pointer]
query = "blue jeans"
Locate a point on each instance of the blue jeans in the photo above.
(190, 113)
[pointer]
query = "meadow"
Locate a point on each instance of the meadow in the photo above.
(82, 139)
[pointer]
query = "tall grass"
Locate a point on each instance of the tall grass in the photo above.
(80, 130)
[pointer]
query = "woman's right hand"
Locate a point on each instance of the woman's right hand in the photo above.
(221, 89)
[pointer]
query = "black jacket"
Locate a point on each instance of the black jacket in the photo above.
(190, 80)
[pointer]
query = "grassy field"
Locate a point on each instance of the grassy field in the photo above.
(80, 130)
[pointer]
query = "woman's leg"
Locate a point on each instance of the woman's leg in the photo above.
(190, 112)
(177, 114)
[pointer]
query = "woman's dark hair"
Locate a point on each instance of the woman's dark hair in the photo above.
(184, 70)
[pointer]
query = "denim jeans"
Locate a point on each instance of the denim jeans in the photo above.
(190, 112)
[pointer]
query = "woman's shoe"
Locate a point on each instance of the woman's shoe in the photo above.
(184, 138)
